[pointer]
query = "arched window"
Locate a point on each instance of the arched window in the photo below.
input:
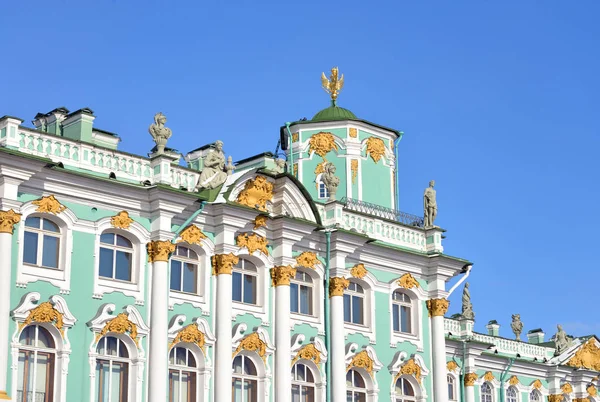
(182, 375)
(356, 389)
(354, 301)
(184, 270)
(535, 396)
(303, 384)
(41, 243)
(486, 392)
(511, 394)
(451, 388)
(322, 189)
(35, 378)
(245, 380)
(301, 293)
(404, 391)
(112, 370)
(244, 282)
(401, 312)
(116, 257)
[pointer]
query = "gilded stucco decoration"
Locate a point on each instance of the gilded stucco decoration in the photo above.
(581, 399)
(587, 356)
(410, 368)
(295, 170)
(555, 398)
(514, 380)
(282, 275)
(295, 136)
(223, 263)
(260, 221)
(256, 193)
(591, 389)
(437, 307)
(322, 143)
(375, 148)
(362, 360)
(307, 259)
(334, 84)
(451, 365)
(470, 379)
(159, 250)
(45, 312)
(192, 235)
(8, 220)
(353, 132)
(337, 285)
(354, 169)
(253, 343)
(121, 220)
(252, 242)
(488, 376)
(566, 388)
(308, 352)
(537, 384)
(407, 281)
(358, 271)
(49, 205)
(121, 324)
(318, 170)
(190, 334)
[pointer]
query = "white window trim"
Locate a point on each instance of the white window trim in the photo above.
(494, 384)
(315, 320)
(368, 329)
(516, 388)
(418, 297)
(370, 380)
(456, 384)
(413, 382)
(400, 358)
(319, 181)
(319, 384)
(298, 342)
(264, 293)
(263, 369)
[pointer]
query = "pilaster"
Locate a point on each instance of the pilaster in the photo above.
(337, 285)
(437, 308)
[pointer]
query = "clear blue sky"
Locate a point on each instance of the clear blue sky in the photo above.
(498, 101)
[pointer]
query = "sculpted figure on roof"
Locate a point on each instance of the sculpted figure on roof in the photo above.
(330, 180)
(215, 170)
(561, 340)
(159, 132)
(429, 205)
(517, 326)
(467, 306)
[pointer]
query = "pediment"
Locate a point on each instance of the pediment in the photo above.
(585, 356)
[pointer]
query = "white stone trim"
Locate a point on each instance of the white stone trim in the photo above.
(264, 292)
(370, 380)
(417, 296)
(315, 320)
(262, 366)
(368, 283)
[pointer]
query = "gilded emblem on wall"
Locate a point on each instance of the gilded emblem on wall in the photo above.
(120, 325)
(358, 271)
(410, 368)
(260, 221)
(407, 281)
(591, 389)
(252, 242)
(470, 379)
(307, 259)
(352, 132)
(566, 388)
(191, 235)
(514, 380)
(121, 220)
(362, 360)
(295, 137)
(451, 365)
(588, 356)
(375, 148)
(488, 376)
(555, 398)
(45, 312)
(190, 334)
(49, 205)
(322, 143)
(354, 169)
(8, 220)
(256, 193)
(308, 352)
(253, 343)
(537, 384)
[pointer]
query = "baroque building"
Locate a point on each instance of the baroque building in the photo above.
(133, 278)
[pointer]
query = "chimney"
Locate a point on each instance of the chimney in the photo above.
(535, 336)
(78, 125)
(493, 328)
(51, 122)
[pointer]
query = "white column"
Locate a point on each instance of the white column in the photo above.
(337, 285)
(437, 308)
(281, 277)
(469, 387)
(158, 358)
(7, 221)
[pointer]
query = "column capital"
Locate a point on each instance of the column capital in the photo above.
(337, 285)
(470, 379)
(8, 220)
(437, 307)
(223, 263)
(159, 250)
(282, 275)
(555, 397)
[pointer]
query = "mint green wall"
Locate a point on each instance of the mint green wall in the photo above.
(376, 177)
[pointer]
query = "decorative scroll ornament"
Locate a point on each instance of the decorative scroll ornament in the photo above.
(353, 132)
(282, 275)
(334, 84)
(307, 259)
(295, 137)
(252, 242)
(354, 169)
(337, 285)
(587, 356)
(359, 271)
(121, 324)
(566, 388)
(375, 148)
(514, 380)
(295, 170)
(322, 143)
(437, 307)
(407, 281)
(470, 379)
(488, 376)
(253, 343)
(308, 352)
(410, 368)
(555, 398)
(121, 220)
(49, 204)
(45, 312)
(591, 389)
(260, 221)
(190, 334)
(8, 220)
(362, 360)
(192, 235)
(537, 384)
(451, 365)
(159, 250)
(256, 193)
(223, 263)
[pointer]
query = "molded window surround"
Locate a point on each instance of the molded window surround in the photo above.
(352, 300)
(180, 291)
(316, 277)
(417, 299)
(262, 281)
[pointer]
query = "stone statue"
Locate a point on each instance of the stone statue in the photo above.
(429, 205)
(215, 171)
(517, 326)
(330, 180)
(561, 340)
(280, 165)
(467, 306)
(159, 132)
(229, 167)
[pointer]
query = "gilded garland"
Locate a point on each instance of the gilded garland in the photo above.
(252, 242)
(375, 148)
(322, 143)
(256, 193)
(45, 312)
(354, 169)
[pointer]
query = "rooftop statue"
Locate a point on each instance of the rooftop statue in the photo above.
(561, 340)
(467, 306)
(429, 205)
(330, 180)
(517, 326)
(332, 85)
(215, 170)
(280, 165)
(159, 132)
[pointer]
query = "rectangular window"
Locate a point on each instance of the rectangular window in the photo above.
(249, 289)
(50, 252)
(294, 307)
(405, 319)
(190, 278)
(106, 263)
(347, 311)
(395, 317)
(176, 275)
(236, 282)
(123, 266)
(30, 248)
(305, 300)
(357, 310)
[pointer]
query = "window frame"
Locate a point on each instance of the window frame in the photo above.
(481, 392)
(352, 389)
(417, 297)
(536, 392)
(243, 272)
(516, 395)
(451, 380)
(50, 352)
(116, 248)
(114, 360)
(186, 260)
(245, 377)
(400, 304)
(41, 234)
(321, 186)
(352, 295)
(193, 372)
(313, 289)
(303, 384)
(402, 397)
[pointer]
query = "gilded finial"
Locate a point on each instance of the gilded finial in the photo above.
(333, 85)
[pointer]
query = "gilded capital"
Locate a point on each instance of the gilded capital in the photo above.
(223, 263)
(159, 250)
(437, 307)
(337, 285)
(8, 220)
(282, 275)
(555, 398)
(470, 379)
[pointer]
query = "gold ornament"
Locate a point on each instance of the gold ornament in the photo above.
(352, 132)
(308, 352)
(410, 368)
(252, 242)
(437, 307)
(282, 275)
(451, 365)
(358, 271)
(581, 399)
(49, 204)
(407, 281)
(513, 380)
(295, 170)
(307, 259)
(587, 356)
(362, 360)
(192, 235)
(119, 325)
(256, 193)
(253, 343)
(159, 250)
(45, 312)
(295, 137)
(375, 148)
(337, 285)
(121, 220)
(537, 384)
(190, 334)
(322, 143)
(591, 389)
(223, 263)
(566, 388)
(488, 376)
(8, 220)
(318, 170)
(555, 398)
(470, 379)
(260, 221)
(354, 169)
(333, 85)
